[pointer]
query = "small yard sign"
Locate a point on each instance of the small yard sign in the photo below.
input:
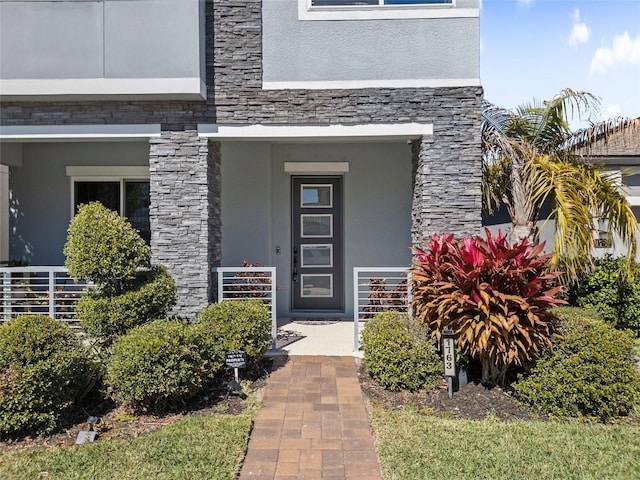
(235, 359)
(449, 358)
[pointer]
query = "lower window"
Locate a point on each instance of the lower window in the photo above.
(130, 198)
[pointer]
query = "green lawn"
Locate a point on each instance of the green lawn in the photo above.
(415, 446)
(210, 448)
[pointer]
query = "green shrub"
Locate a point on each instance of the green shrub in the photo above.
(239, 324)
(104, 248)
(588, 370)
(603, 291)
(399, 352)
(158, 365)
(43, 371)
(107, 316)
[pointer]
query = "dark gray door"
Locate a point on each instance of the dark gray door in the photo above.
(317, 271)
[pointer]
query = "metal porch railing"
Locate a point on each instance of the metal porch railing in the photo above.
(44, 290)
(377, 290)
(250, 283)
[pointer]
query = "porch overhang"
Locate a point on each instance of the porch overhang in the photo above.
(77, 133)
(316, 133)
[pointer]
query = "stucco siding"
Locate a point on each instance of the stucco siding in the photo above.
(402, 49)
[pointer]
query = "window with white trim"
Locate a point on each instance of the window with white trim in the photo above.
(127, 195)
(384, 9)
(355, 3)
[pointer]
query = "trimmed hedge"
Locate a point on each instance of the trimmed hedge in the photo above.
(104, 316)
(239, 324)
(159, 365)
(399, 352)
(43, 370)
(588, 371)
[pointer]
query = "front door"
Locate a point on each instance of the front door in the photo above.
(316, 262)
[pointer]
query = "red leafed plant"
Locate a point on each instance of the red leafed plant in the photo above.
(496, 298)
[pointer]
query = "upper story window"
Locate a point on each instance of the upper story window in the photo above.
(335, 3)
(385, 9)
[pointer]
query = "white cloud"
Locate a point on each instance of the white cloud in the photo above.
(525, 3)
(580, 33)
(613, 110)
(624, 51)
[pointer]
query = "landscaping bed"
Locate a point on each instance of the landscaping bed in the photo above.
(119, 423)
(473, 401)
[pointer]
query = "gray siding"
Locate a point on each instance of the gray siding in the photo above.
(406, 49)
(102, 39)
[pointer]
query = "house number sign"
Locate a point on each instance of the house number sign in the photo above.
(449, 358)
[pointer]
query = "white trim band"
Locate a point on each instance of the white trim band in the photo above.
(96, 88)
(373, 131)
(77, 132)
(316, 167)
(358, 84)
(108, 171)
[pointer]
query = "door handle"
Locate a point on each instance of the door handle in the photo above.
(294, 274)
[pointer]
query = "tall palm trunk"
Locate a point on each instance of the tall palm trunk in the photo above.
(522, 209)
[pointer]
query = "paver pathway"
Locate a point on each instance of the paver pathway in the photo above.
(313, 425)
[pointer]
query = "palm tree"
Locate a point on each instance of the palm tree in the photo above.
(531, 157)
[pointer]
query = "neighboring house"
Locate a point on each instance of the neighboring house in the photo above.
(313, 136)
(620, 154)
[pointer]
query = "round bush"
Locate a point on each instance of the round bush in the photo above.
(239, 324)
(157, 366)
(399, 352)
(588, 370)
(43, 370)
(107, 316)
(104, 248)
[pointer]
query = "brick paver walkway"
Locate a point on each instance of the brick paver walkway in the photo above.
(313, 425)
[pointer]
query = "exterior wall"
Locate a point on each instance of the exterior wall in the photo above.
(102, 41)
(4, 213)
(257, 210)
(40, 193)
(246, 203)
(185, 205)
(350, 50)
(185, 214)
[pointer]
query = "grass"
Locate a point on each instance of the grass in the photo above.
(208, 448)
(432, 447)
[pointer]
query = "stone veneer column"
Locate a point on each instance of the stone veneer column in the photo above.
(447, 193)
(185, 214)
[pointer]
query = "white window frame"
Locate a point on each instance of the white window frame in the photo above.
(307, 11)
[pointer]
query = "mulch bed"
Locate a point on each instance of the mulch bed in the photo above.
(473, 401)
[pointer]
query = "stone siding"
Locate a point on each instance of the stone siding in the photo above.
(185, 214)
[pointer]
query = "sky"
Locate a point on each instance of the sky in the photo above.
(533, 49)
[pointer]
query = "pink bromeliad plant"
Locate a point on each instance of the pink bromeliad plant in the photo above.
(496, 297)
